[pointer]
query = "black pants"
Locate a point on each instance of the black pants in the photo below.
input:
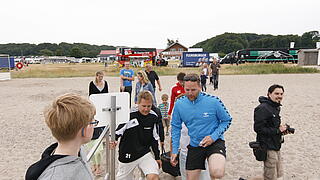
(204, 87)
(129, 90)
(215, 78)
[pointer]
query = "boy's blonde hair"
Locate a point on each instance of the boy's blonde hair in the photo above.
(146, 95)
(164, 97)
(67, 115)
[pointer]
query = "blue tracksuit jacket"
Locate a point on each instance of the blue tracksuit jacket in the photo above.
(205, 116)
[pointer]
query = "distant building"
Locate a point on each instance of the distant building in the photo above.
(173, 52)
(107, 55)
(308, 57)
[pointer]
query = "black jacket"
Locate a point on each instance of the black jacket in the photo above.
(137, 136)
(94, 90)
(267, 122)
(203, 79)
(35, 170)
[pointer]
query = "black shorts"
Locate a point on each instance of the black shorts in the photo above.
(197, 155)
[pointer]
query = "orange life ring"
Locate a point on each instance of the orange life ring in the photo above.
(19, 65)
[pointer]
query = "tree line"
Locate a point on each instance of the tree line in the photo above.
(229, 42)
(77, 50)
(222, 44)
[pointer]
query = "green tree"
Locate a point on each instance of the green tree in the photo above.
(46, 52)
(229, 42)
(93, 53)
(309, 39)
(59, 52)
(76, 52)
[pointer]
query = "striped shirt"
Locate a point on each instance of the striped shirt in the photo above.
(164, 107)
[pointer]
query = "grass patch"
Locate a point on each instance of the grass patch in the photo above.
(88, 70)
(266, 69)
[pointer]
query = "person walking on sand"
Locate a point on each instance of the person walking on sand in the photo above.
(176, 91)
(215, 67)
(164, 107)
(153, 77)
(270, 131)
(97, 86)
(137, 137)
(126, 79)
(206, 125)
(144, 84)
(203, 79)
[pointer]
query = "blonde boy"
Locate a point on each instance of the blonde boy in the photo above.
(164, 108)
(70, 119)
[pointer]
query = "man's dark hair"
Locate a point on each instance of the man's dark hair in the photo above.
(273, 87)
(180, 76)
(192, 77)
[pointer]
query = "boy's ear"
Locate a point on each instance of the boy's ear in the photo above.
(85, 131)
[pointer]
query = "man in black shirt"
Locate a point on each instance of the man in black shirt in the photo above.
(137, 136)
(153, 77)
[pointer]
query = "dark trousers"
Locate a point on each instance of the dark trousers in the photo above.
(129, 90)
(204, 87)
(215, 78)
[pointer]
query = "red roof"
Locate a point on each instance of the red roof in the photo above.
(108, 52)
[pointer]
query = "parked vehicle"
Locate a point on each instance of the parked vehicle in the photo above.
(161, 62)
(262, 55)
(137, 56)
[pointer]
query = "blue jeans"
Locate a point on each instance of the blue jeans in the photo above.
(204, 175)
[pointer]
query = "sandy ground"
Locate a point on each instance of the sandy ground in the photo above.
(24, 134)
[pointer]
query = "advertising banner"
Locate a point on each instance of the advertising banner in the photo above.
(194, 59)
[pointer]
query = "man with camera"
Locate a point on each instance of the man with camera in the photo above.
(270, 131)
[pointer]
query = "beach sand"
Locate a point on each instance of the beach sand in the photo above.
(24, 134)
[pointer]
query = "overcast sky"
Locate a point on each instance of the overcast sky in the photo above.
(148, 23)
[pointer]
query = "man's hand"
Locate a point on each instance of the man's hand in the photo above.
(206, 141)
(113, 144)
(173, 160)
(282, 128)
(122, 88)
(160, 88)
(159, 163)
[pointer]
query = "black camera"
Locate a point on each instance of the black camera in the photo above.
(289, 130)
